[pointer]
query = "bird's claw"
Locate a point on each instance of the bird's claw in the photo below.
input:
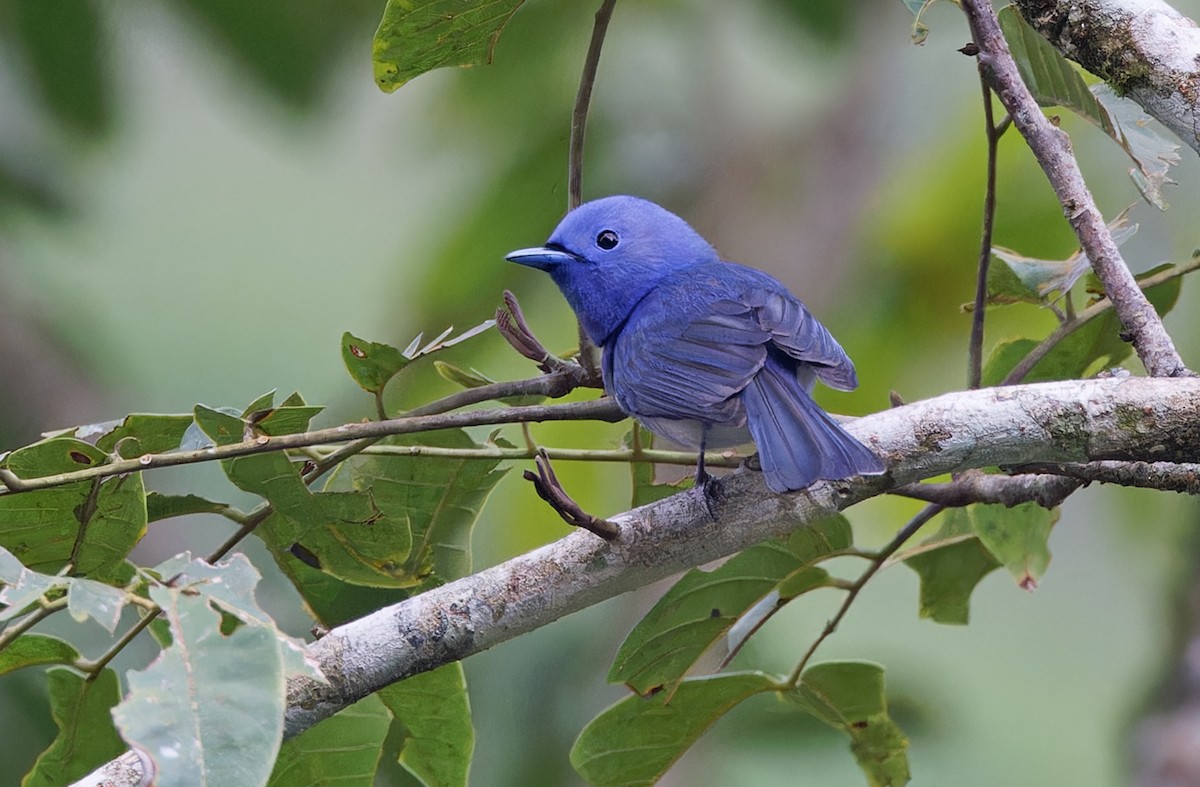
(710, 493)
(549, 489)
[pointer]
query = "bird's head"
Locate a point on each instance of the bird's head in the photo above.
(607, 254)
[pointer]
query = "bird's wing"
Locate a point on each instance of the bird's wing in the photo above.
(795, 332)
(689, 365)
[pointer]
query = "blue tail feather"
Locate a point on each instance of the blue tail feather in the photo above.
(798, 442)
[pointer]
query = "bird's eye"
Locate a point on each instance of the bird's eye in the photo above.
(607, 240)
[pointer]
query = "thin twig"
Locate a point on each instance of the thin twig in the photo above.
(1163, 476)
(48, 608)
(604, 409)
(492, 452)
(909, 530)
(94, 668)
(975, 348)
(583, 101)
(589, 354)
(973, 486)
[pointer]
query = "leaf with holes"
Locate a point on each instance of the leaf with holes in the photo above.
(416, 36)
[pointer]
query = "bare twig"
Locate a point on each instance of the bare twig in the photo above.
(1052, 148)
(1048, 491)
(908, 531)
(992, 136)
(589, 354)
(623, 455)
(599, 409)
(583, 101)
(1164, 476)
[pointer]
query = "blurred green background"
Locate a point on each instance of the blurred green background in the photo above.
(197, 197)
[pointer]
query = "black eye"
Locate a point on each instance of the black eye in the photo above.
(607, 240)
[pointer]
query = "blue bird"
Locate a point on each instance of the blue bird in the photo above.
(707, 353)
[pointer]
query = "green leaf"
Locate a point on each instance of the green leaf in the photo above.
(1096, 344)
(96, 600)
(476, 379)
(229, 584)
(344, 749)
(115, 526)
(1032, 280)
(950, 564)
(1154, 153)
(259, 407)
(287, 420)
(849, 695)
(143, 433)
(433, 709)
(160, 506)
(221, 427)
(416, 36)
(86, 735)
(920, 31)
(1018, 537)
(210, 708)
(347, 533)
(704, 606)
(371, 364)
(31, 650)
(1054, 81)
(53, 456)
(42, 528)
(439, 497)
(636, 740)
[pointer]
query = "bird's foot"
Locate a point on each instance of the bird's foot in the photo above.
(710, 492)
(549, 489)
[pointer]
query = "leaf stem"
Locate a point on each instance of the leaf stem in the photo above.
(48, 608)
(907, 532)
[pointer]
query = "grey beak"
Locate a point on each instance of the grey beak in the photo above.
(541, 257)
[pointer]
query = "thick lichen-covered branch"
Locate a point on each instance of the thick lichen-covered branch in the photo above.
(1145, 50)
(1133, 419)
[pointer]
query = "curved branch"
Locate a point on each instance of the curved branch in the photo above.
(1136, 419)
(1146, 50)
(1052, 148)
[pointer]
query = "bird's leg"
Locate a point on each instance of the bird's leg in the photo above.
(549, 489)
(704, 481)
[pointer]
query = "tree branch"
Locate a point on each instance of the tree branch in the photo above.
(1071, 422)
(1052, 148)
(1165, 476)
(1047, 490)
(1146, 50)
(604, 409)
